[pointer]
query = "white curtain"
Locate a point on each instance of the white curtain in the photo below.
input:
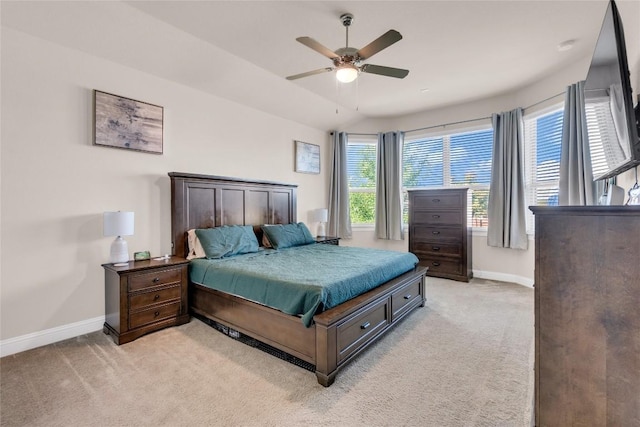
(507, 226)
(339, 224)
(389, 186)
(576, 177)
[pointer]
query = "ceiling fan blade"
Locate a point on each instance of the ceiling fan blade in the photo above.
(384, 71)
(310, 73)
(309, 42)
(382, 42)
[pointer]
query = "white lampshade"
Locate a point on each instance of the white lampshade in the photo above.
(347, 73)
(118, 224)
(320, 215)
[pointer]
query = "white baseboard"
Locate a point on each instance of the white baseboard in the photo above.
(502, 277)
(38, 339)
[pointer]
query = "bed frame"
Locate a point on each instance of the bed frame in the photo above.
(338, 334)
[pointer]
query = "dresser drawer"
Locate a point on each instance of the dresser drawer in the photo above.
(425, 233)
(433, 217)
(156, 278)
(154, 314)
(355, 331)
(160, 296)
(435, 248)
(441, 265)
(404, 298)
(439, 200)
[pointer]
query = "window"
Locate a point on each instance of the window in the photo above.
(600, 124)
(451, 160)
(543, 138)
(361, 173)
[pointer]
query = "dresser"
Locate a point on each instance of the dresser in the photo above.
(145, 296)
(587, 316)
(438, 232)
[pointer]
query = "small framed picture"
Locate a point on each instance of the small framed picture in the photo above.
(307, 157)
(141, 256)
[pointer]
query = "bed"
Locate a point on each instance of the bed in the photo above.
(334, 336)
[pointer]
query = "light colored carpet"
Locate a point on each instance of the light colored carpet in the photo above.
(463, 360)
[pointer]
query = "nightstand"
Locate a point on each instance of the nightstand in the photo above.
(145, 296)
(328, 240)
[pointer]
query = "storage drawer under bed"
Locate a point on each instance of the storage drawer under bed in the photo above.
(358, 329)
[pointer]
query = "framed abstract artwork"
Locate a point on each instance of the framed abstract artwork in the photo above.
(126, 123)
(307, 157)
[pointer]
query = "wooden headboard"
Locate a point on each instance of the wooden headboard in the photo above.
(205, 201)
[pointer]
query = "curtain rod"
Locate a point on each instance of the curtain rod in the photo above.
(481, 118)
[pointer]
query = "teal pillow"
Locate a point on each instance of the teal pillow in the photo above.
(287, 235)
(228, 240)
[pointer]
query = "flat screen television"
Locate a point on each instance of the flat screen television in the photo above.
(612, 122)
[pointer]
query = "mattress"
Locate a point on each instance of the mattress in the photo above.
(302, 280)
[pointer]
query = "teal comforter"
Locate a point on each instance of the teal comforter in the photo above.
(302, 280)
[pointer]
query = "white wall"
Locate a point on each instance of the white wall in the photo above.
(56, 184)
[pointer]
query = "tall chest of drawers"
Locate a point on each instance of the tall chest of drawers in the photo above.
(438, 232)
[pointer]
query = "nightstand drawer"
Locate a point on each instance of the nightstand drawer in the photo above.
(139, 301)
(154, 314)
(157, 278)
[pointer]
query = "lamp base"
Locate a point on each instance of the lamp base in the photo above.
(321, 229)
(119, 251)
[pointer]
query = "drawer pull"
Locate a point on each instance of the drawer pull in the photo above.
(156, 297)
(407, 296)
(436, 200)
(156, 314)
(435, 232)
(436, 264)
(436, 248)
(156, 280)
(435, 216)
(365, 325)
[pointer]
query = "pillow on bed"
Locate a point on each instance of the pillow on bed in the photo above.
(227, 240)
(195, 247)
(287, 235)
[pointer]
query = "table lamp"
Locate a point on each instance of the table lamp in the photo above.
(118, 224)
(321, 216)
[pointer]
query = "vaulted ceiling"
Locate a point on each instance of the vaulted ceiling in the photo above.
(456, 51)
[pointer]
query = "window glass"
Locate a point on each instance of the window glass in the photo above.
(361, 173)
(461, 159)
(543, 139)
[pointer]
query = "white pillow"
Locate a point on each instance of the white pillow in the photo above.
(195, 247)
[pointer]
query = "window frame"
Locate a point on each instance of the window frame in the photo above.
(446, 135)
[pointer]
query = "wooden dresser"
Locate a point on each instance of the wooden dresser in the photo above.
(438, 232)
(587, 316)
(145, 296)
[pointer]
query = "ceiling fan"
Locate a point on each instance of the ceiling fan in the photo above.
(346, 60)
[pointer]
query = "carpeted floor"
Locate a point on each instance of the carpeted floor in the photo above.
(466, 359)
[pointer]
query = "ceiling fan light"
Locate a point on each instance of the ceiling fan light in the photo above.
(347, 73)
